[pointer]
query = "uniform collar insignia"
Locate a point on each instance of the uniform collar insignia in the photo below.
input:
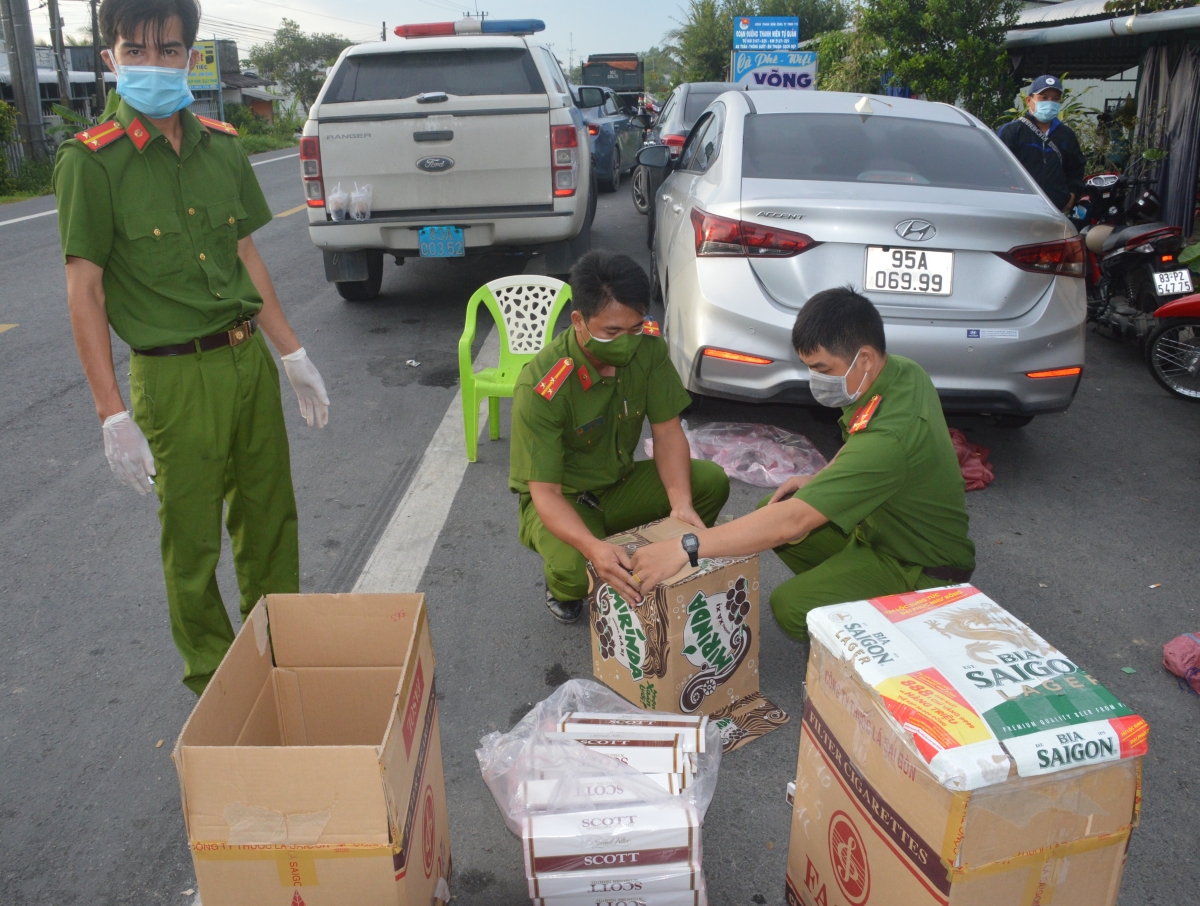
(585, 377)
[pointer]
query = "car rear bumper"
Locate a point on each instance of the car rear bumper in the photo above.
(718, 304)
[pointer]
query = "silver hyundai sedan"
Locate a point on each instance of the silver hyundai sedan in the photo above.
(778, 195)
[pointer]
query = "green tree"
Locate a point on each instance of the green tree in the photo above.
(702, 42)
(296, 60)
(660, 69)
(8, 128)
(947, 50)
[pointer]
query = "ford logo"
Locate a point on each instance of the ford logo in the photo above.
(435, 164)
(915, 230)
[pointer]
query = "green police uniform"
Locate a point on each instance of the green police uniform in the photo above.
(570, 426)
(165, 229)
(894, 498)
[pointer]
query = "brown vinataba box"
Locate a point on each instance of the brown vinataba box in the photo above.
(311, 767)
(920, 784)
(691, 646)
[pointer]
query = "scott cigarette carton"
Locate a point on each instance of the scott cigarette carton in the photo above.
(950, 755)
(616, 883)
(311, 767)
(690, 729)
(691, 646)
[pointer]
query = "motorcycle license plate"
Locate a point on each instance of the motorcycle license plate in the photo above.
(441, 242)
(1173, 283)
(893, 270)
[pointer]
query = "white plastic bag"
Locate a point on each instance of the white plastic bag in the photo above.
(360, 202)
(532, 751)
(761, 455)
(336, 203)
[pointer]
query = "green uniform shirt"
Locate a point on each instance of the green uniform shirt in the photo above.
(898, 480)
(584, 439)
(164, 227)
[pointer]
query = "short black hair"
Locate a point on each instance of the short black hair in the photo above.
(124, 18)
(842, 320)
(601, 277)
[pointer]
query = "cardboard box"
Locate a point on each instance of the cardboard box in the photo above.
(311, 767)
(691, 647)
(915, 784)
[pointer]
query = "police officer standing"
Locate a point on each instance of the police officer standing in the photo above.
(1046, 146)
(577, 416)
(887, 515)
(156, 206)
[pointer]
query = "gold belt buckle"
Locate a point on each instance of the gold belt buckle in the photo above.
(239, 333)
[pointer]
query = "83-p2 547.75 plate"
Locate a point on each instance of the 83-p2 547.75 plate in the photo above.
(906, 270)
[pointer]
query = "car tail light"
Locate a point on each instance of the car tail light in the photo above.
(564, 157)
(723, 237)
(310, 169)
(742, 357)
(593, 129)
(1064, 257)
(1055, 372)
(675, 143)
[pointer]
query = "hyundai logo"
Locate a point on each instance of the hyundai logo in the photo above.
(435, 164)
(915, 230)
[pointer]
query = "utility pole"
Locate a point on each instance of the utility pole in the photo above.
(220, 87)
(60, 63)
(570, 54)
(101, 93)
(22, 67)
(383, 32)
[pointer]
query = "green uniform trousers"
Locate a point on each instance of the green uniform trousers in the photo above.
(832, 567)
(639, 499)
(214, 422)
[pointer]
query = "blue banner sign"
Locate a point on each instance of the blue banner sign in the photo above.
(775, 69)
(766, 32)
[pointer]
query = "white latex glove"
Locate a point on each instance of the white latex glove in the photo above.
(128, 453)
(310, 389)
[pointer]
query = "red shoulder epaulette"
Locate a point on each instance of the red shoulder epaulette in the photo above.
(862, 417)
(227, 128)
(97, 137)
(554, 379)
(650, 328)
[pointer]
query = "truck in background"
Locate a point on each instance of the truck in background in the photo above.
(623, 73)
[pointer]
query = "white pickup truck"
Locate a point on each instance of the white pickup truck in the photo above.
(470, 141)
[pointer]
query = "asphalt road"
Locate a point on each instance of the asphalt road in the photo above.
(1088, 510)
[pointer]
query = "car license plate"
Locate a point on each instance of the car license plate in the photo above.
(441, 242)
(893, 270)
(1173, 283)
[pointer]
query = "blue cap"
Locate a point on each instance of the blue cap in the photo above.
(1041, 83)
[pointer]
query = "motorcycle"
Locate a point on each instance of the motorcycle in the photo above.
(1173, 349)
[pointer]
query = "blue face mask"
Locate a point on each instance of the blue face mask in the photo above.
(1045, 111)
(157, 91)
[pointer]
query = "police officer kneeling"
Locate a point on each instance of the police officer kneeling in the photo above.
(577, 416)
(887, 515)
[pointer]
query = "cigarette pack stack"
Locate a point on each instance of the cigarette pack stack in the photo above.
(603, 841)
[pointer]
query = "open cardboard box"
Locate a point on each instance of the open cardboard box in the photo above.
(311, 767)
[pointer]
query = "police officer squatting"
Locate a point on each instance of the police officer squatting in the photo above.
(156, 209)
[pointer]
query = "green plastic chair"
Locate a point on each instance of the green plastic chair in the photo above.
(525, 308)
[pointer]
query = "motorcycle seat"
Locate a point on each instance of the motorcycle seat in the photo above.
(1119, 237)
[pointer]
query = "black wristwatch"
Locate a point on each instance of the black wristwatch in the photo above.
(691, 544)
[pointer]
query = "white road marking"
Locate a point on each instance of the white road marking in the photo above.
(259, 163)
(402, 553)
(29, 217)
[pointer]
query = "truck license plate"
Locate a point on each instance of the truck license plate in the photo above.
(1173, 283)
(893, 270)
(441, 242)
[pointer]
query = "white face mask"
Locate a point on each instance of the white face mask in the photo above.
(830, 390)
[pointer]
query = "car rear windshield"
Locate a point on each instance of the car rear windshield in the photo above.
(392, 76)
(696, 102)
(838, 147)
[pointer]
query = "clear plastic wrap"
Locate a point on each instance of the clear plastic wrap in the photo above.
(761, 455)
(360, 202)
(336, 203)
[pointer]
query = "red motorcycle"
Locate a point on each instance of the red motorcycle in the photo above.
(1173, 349)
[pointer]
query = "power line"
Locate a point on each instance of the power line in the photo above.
(310, 13)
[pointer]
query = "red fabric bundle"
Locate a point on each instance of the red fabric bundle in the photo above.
(1181, 656)
(972, 460)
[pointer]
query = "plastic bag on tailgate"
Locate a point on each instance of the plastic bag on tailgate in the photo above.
(1181, 656)
(972, 461)
(535, 772)
(761, 455)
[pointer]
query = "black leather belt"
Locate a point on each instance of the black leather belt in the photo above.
(236, 335)
(949, 574)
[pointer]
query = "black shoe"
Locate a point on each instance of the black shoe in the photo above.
(564, 611)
